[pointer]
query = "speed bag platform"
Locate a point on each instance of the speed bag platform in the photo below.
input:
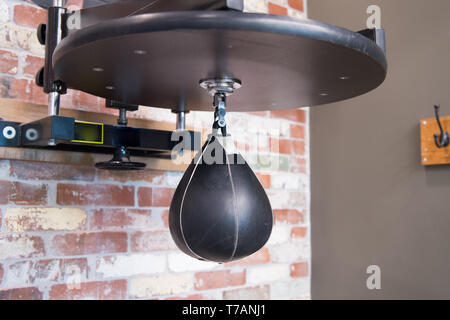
(220, 211)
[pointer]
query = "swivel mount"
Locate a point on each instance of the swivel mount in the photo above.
(220, 88)
(118, 162)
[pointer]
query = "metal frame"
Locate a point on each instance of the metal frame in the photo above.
(63, 133)
(60, 133)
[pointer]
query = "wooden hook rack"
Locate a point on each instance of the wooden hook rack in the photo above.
(430, 153)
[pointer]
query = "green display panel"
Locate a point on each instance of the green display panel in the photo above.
(88, 132)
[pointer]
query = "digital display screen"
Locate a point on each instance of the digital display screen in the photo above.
(88, 132)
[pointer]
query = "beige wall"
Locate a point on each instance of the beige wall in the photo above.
(372, 201)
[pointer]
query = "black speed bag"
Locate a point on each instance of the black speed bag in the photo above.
(220, 211)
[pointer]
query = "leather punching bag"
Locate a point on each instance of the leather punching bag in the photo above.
(220, 211)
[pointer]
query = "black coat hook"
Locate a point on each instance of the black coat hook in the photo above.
(442, 140)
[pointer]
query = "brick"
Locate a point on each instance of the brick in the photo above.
(163, 285)
(274, 146)
(145, 198)
(9, 62)
(44, 219)
(285, 146)
(28, 194)
(20, 246)
(130, 265)
(260, 257)
(299, 270)
(153, 177)
(74, 4)
(282, 146)
(219, 279)
(111, 290)
(165, 218)
(283, 163)
(276, 9)
(86, 101)
(297, 131)
(114, 112)
(1, 273)
(298, 165)
(162, 197)
(50, 171)
(98, 195)
(280, 234)
(32, 273)
(298, 147)
(21, 89)
(288, 180)
(288, 252)
(296, 115)
(4, 191)
(190, 297)
(267, 273)
(252, 293)
(289, 216)
(296, 200)
(299, 232)
(32, 65)
(29, 16)
(296, 4)
(242, 146)
(142, 241)
(102, 219)
(255, 6)
(172, 178)
(268, 162)
(298, 288)
(74, 270)
(264, 178)
(180, 262)
(90, 243)
(258, 113)
(280, 199)
(17, 37)
(21, 294)
(4, 11)
(262, 143)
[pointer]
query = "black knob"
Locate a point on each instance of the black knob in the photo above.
(40, 77)
(41, 30)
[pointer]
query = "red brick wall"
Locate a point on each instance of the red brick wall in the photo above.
(74, 232)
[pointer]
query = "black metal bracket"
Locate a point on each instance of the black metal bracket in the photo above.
(68, 134)
(96, 11)
(376, 35)
(123, 108)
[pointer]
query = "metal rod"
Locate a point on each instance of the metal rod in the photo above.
(52, 85)
(58, 3)
(122, 117)
(53, 103)
(181, 120)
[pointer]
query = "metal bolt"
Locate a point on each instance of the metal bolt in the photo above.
(9, 132)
